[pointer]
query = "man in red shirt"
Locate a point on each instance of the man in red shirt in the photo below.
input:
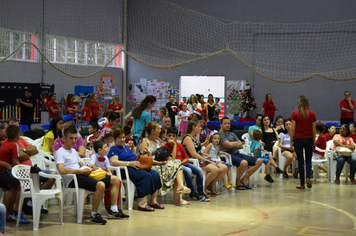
(347, 107)
(9, 157)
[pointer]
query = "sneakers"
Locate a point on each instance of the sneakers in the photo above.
(23, 220)
(117, 215)
(285, 175)
(27, 209)
(97, 219)
(269, 178)
(279, 171)
(199, 197)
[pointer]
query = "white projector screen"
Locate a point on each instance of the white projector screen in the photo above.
(205, 85)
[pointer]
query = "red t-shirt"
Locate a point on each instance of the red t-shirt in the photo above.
(54, 105)
(269, 109)
(128, 139)
(345, 104)
(107, 126)
(94, 107)
(304, 126)
(181, 154)
(328, 137)
(320, 143)
(93, 139)
(87, 114)
(8, 151)
(353, 136)
(73, 105)
(117, 107)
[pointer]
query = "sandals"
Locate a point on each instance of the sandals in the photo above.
(212, 192)
(227, 186)
(240, 187)
(156, 206)
(232, 185)
(246, 186)
(184, 203)
(146, 208)
(184, 191)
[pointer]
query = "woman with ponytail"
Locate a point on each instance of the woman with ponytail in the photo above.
(141, 116)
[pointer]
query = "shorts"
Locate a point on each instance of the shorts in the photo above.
(7, 179)
(223, 160)
(236, 159)
(44, 179)
(89, 183)
(265, 159)
(286, 150)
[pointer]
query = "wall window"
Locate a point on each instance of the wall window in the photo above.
(78, 51)
(10, 40)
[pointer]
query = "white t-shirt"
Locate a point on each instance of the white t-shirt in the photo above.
(285, 138)
(102, 164)
(184, 113)
(70, 159)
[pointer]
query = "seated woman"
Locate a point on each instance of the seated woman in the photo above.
(278, 124)
(353, 132)
(146, 182)
(54, 132)
(343, 140)
(193, 149)
(287, 149)
(270, 135)
(79, 144)
(171, 171)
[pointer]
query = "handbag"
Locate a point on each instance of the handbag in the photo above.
(98, 174)
(344, 151)
(145, 161)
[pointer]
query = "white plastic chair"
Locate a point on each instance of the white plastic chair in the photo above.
(316, 163)
(27, 139)
(3, 194)
(282, 160)
(130, 186)
(30, 189)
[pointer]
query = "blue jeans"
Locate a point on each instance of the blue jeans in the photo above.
(307, 145)
(341, 162)
(2, 218)
(188, 170)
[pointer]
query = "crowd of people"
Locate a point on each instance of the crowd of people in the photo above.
(200, 152)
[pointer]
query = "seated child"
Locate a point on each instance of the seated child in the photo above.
(100, 159)
(320, 143)
(94, 130)
(217, 106)
(161, 113)
(162, 136)
(188, 168)
(128, 137)
(212, 151)
(331, 132)
(255, 148)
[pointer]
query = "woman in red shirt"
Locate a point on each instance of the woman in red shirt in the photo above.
(53, 107)
(71, 106)
(303, 134)
(268, 107)
(116, 106)
(86, 112)
(94, 108)
(353, 132)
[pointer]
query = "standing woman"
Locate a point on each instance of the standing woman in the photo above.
(116, 106)
(192, 103)
(53, 107)
(70, 106)
(210, 108)
(202, 103)
(268, 107)
(141, 116)
(302, 137)
(172, 107)
(94, 108)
